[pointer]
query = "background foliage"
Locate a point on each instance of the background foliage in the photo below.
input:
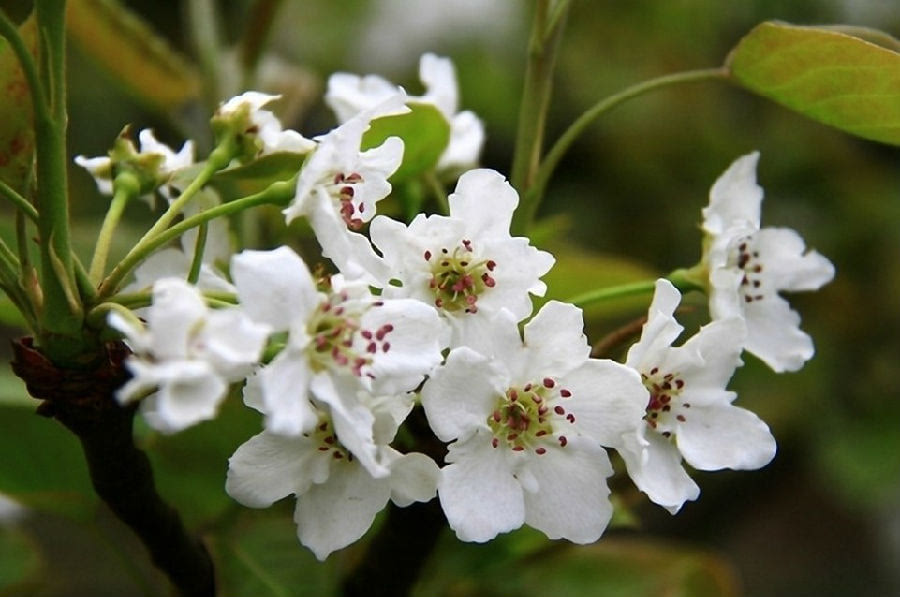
(820, 520)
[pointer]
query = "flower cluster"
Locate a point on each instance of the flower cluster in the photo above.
(434, 318)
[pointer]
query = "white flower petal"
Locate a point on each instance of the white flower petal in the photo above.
(233, 342)
(774, 335)
(608, 399)
(353, 421)
(485, 201)
(728, 437)
(285, 385)
(713, 354)
(189, 392)
(177, 309)
(415, 343)
(464, 148)
(351, 252)
(460, 395)
(787, 264)
(439, 77)
(414, 478)
(340, 511)
(572, 500)
(274, 287)
(555, 338)
(655, 467)
(478, 492)
(735, 197)
(349, 94)
(661, 328)
(268, 467)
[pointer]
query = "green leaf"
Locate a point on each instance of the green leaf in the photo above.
(43, 467)
(19, 561)
(578, 271)
(190, 466)
(260, 556)
(829, 76)
(128, 49)
(637, 568)
(425, 133)
(16, 130)
(242, 181)
(10, 314)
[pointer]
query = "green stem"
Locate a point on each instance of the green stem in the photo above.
(613, 292)
(678, 278)
(256, 34)
(199, 248)
(219, 158)
(62, 313)
(439, 192)
(19, 201)
(205, 37)
(279, 193)
(546, 33)
(528, 207)
(126, 186)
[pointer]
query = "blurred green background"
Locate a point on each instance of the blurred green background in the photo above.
(821, 520)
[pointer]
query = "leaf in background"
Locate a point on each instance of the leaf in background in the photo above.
(126, 47)
(190, 466)
(831, 77)
(16, 130)
(526, 564)
(425, 133)
(578, 271)
(10, 314)
(260, 556)
(42, 466)
(19, 561)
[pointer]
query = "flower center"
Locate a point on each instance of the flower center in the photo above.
(326, 441)
(458, 277)
(664, 404)
(746, 257)
(342, 189)
(524, 417)
(340, 341)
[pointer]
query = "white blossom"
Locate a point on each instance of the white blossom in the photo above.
(261, 127)
(466, 264)
(380, 345)
(186, 356)
(339, 186)
(350, 94)
(342, 471)
(690, 414)
(749, 267)
(527, 421)
(157, 159)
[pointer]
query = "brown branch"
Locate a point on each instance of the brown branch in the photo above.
(83, 401)
(400, 549)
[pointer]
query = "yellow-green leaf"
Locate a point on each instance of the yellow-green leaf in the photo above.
(256, 176)
(425, 133)
(824, 74)
(578, 271)
(16, 130)
(127, 48)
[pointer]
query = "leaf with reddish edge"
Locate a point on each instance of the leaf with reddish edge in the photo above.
(16, 131)
(829, 76)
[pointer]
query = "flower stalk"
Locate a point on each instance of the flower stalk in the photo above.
(546, 33)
